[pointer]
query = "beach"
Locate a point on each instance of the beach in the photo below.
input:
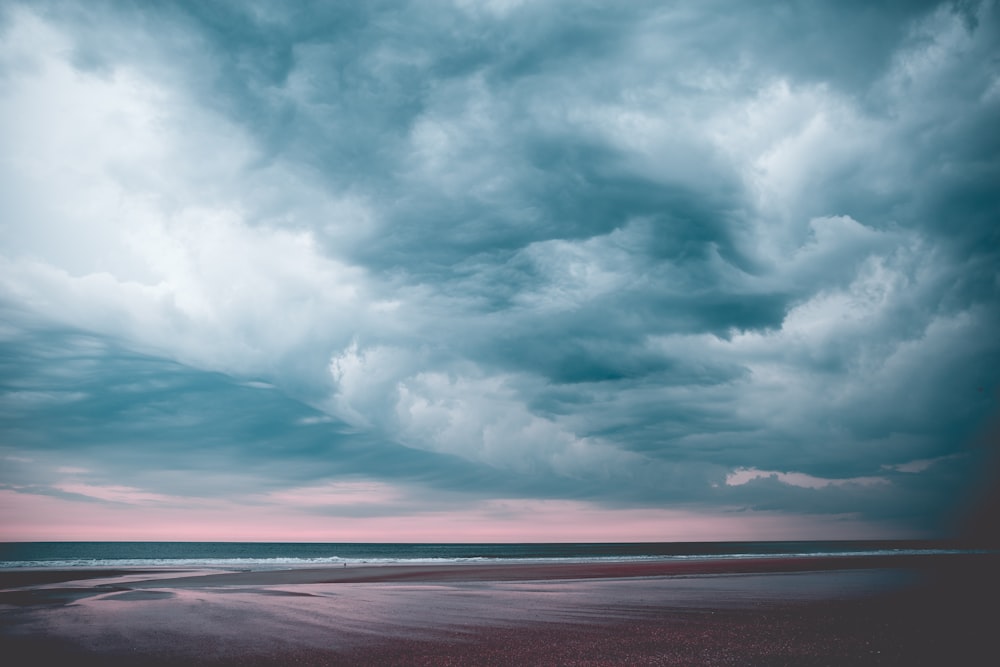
(760, 611)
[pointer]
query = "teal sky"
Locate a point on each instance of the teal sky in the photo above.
(500, 270)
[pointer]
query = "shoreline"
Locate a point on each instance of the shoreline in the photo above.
(492, 570)
(883, 610)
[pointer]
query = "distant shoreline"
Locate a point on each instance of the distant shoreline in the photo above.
(495, 571)
(267, 555)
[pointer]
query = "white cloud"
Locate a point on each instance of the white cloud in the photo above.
(483, 419)
(918, 465)
(461, 146)
(574, 272)
(133, 212)
(742, 476)
(475, 416)
(365, 381)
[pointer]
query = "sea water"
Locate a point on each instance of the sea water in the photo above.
(279, 555)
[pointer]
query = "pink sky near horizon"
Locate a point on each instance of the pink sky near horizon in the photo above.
(33, 517)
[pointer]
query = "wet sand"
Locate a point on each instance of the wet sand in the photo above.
(817, 611)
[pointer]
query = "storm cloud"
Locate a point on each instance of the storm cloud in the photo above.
(703, 257)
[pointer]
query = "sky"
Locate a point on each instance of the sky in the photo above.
(499, 271)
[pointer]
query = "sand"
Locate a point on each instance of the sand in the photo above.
(818, 611)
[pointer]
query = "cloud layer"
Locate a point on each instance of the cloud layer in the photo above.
(704, 258)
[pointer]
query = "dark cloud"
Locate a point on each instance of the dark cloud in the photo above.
(553, 250)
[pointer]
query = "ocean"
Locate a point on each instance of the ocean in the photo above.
(276, 555)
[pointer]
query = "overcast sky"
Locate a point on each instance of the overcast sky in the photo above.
(499, 270)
